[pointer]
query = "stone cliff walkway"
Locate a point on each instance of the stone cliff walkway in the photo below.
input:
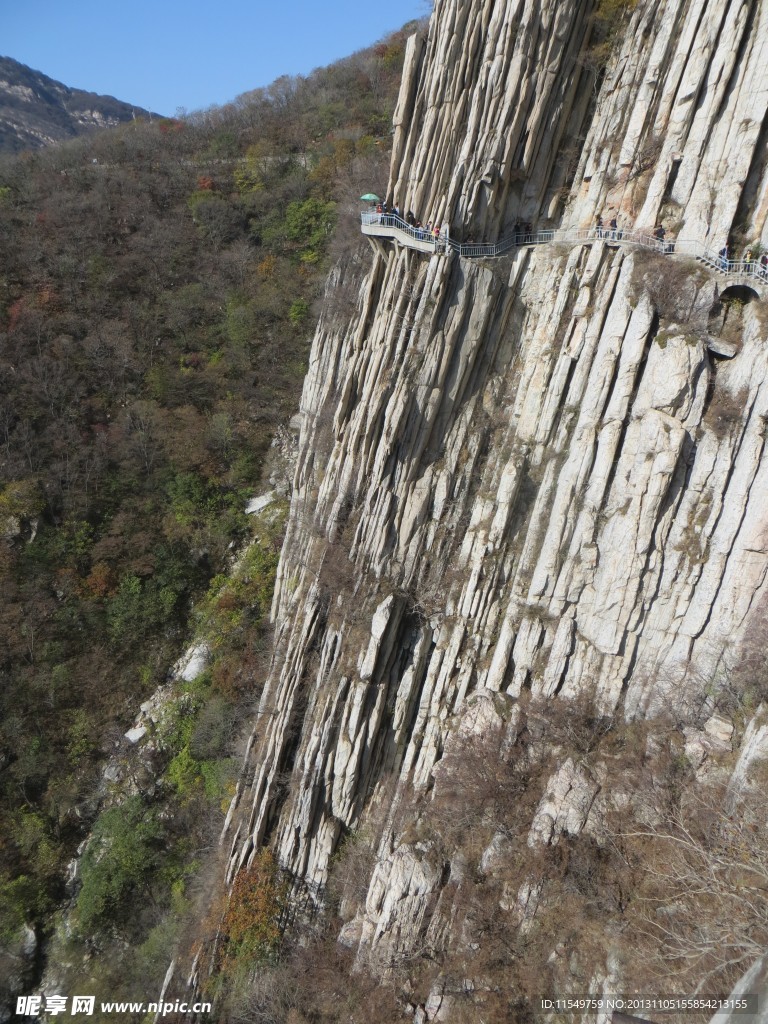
(379, 225)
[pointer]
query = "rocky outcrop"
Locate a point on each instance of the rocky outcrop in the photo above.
(529, 475)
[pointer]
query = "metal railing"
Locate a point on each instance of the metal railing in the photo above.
(396, 227)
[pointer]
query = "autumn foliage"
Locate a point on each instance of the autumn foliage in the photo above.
(251, 925)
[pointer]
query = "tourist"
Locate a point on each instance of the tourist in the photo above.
(599, 226)
(613, 225)
(723, 254)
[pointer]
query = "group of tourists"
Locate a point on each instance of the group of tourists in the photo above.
(612, 231)
(424, 232)
(752, 263)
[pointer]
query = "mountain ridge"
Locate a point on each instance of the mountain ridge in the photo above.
(36, 110)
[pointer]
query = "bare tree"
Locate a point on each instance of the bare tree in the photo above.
(701, 912)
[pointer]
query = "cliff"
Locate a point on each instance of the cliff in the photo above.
(525, 486)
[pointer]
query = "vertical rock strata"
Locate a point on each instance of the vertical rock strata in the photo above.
(527, 474)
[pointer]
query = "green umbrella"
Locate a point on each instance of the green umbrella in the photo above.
(369, 197)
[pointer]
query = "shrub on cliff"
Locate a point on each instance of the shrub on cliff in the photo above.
(251, 923)
(609, 18)
(118, 865)
(699, 916)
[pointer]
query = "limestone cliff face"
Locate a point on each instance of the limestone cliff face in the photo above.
(527, 474)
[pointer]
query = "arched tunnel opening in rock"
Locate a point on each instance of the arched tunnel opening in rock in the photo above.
(726, 317)
(741, 293)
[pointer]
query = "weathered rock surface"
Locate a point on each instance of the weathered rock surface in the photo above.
(565, 805)
(529, 474)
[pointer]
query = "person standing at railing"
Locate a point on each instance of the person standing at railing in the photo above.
(614, 227)
(517, 233)
(599, 226)
(723, 254)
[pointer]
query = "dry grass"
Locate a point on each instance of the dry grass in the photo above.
(725, 410)
(671, 284)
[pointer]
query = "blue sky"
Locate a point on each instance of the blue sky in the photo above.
(165, 55)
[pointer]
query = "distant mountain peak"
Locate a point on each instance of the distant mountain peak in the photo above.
(36, 110)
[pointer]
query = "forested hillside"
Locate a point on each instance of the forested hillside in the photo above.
(158, 285)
